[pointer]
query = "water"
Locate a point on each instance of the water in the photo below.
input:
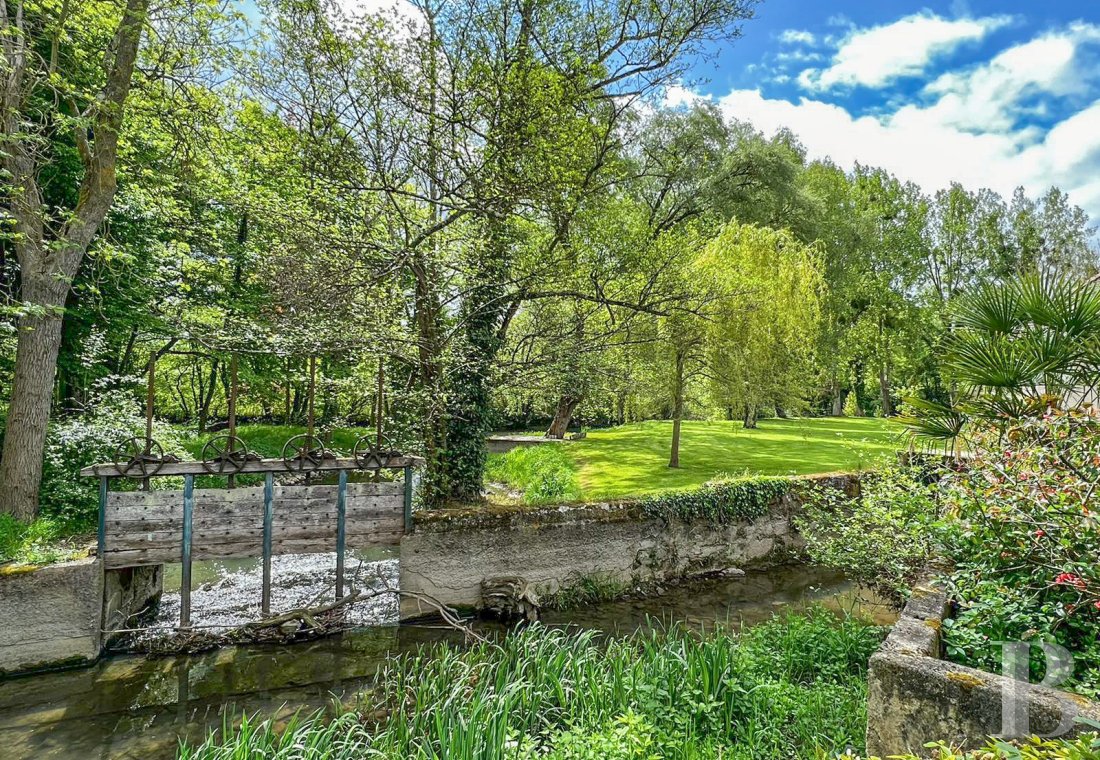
(134, 707)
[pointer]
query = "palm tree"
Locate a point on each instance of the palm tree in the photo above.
(1016, 349)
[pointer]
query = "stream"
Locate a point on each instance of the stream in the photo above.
(137, 707)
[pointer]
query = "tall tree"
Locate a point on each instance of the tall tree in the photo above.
(43, 95)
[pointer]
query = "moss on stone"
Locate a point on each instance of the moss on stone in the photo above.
(965, 680)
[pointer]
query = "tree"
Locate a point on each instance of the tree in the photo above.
(41, 70)
(763, 325)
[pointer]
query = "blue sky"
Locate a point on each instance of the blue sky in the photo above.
(993, 94)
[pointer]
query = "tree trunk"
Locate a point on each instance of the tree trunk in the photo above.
(838, 401)
(206, 393)
(49, 263)
(749, 417)
(884, 387)
(39, 339)
(780, 412)
(677, 409)
(563, 416)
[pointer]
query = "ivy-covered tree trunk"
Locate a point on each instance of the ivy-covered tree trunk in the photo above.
(469, 397)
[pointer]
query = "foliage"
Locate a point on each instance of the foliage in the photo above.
(546, 474)
(1025, 540)
(91, 438)
(719, 502)
(764, 323)
(584, 590)
(1083, 747)
(786, 689)
(883, 539)
(41, 542)
(1019, 347)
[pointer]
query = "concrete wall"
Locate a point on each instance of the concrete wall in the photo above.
(53, 616)
(914, 696)
(451, 552)
(501, 444)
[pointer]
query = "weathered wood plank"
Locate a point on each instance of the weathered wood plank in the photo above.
(244, 522)
(255, 493)
(283, 510)
(137, 557)
(262, 465)
(218, 535)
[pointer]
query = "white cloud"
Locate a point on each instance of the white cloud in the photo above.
(989, 97)
(876, 56)
(914, 145)
(678, 95)
(797, 37)
(975, 126)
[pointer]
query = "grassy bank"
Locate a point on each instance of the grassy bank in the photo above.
(788, 689)
(632, 460)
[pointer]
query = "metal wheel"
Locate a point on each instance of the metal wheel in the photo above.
(304, 452)
(140, 457)
(372, 453)
(225, 455)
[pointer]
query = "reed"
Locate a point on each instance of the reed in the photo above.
(792, 688)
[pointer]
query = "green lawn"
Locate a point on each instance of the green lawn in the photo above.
(633, 459)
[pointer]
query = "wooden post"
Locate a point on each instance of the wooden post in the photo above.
(101, 544)
(341, 514)
(150, 394)
(185, 559)
(378, 415)
(232, 410)
(269, 514)
(408, 499)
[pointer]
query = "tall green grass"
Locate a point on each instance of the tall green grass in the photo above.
(792, 688)
(40, 542)
(544, 474)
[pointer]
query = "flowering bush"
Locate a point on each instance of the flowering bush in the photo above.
(90, 438)
(1024, 535)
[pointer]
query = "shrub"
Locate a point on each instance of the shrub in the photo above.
(90, 438)
(545, 474)
(721, 502)
(883, 539)
(1026, 539)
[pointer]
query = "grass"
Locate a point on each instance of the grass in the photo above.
(545, 474)
(268, 440)
(632, 460)
(792, 688)
(43, 541)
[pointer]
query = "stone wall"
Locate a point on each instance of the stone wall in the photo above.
(53, 616)
(450, 552)
(914, 696)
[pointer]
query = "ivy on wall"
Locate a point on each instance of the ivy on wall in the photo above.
(722, 502)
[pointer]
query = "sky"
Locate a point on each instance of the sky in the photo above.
(988, 94)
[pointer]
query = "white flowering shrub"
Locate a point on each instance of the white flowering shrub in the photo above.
(91, 438)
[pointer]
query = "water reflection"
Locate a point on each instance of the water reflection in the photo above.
(129, 706)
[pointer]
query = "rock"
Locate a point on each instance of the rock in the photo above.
(509, 598)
